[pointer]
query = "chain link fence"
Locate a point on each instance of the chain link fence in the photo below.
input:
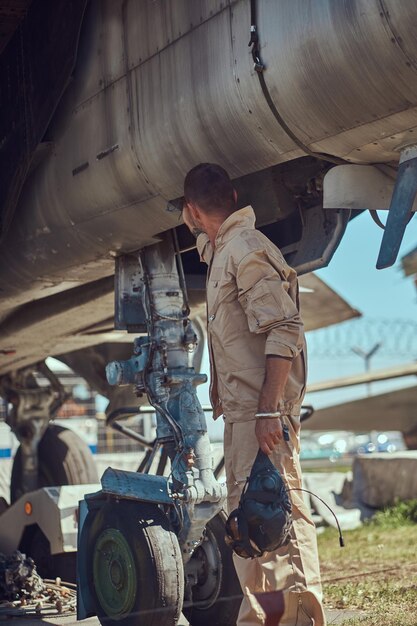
(397, 338)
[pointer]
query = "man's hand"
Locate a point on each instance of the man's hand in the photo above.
(268, 433)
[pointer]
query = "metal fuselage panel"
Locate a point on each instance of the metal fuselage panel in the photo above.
(161, 86)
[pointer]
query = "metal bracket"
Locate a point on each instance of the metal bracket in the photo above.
(129, 312)
(322, 231)
(134, 486)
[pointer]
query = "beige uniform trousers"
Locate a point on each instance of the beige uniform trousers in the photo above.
(293, 569)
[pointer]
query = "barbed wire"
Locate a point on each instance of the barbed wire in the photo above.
(397, 338)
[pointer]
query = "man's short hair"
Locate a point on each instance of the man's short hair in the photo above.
(209, 187)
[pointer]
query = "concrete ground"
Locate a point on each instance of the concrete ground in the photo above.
(334, 616)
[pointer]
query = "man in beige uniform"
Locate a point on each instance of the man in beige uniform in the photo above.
(258, 368)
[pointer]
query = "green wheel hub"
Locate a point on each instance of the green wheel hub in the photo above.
(114, 573)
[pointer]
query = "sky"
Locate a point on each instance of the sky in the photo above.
(379, 295)
(352, 272)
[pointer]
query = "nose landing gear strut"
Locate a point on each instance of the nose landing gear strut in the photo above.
(144, 539)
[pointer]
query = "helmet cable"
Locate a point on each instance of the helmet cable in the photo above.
(341, 540)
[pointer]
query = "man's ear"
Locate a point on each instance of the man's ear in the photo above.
(195, 214)
(235, 195)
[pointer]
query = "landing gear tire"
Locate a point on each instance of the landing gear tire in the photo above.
(135, 568)
(217, 596)
(64, 459)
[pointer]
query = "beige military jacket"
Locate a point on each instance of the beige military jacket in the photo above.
(252, 311)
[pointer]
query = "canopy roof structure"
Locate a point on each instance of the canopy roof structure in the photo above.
(394, 410)
(321, 306)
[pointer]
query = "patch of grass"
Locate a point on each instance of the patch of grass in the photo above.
(403, 513)
(384, 617)
(376, 571)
